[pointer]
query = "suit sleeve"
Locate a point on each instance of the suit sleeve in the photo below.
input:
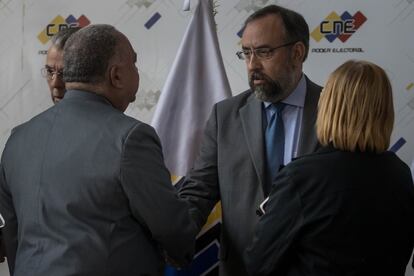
(201, 187)
(152, 198)
(276, 230)
(9, 232)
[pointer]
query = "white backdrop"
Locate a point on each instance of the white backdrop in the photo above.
(382, 32)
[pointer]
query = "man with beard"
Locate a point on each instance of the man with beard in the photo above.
(245, 141)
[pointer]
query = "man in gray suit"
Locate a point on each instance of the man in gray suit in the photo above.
(236, 157)
(83, 187)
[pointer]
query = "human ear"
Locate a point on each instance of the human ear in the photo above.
(115, 76)
(298, 52)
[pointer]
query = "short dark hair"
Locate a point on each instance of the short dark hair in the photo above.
(88, 52)
(60, 38)
(295, 25)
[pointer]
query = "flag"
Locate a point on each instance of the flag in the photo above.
(197, 80)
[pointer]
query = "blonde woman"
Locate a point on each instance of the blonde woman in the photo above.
(347, 209)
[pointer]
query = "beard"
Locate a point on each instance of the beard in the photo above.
(271, 90)
(268, 91)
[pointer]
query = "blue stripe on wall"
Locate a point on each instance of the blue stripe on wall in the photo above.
(152, 20)
(398, 145)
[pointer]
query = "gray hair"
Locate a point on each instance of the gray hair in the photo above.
(88, 53)
(60, 38)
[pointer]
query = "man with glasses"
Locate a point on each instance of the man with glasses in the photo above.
(53, 70)
(250, 136)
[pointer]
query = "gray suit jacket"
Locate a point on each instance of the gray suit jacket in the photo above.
(231, 168)
(84, 191)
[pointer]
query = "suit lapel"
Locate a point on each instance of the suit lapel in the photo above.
(251, 120)
(307, 140)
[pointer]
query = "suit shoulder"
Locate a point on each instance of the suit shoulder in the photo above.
(142, 127)
(126, 119)
(395, 161)
(20, 134)
(17, 130)
(134, 127)
(313, 87)
(313, 161)
(117, 120)
(235, 101)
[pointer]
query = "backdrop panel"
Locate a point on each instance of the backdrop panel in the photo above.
(380, 31)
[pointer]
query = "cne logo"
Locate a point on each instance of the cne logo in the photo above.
(60, 23)
(341, 27)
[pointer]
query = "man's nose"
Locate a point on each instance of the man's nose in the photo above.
(253, 63)
(57, 81)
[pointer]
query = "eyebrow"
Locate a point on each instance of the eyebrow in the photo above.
(260, 47)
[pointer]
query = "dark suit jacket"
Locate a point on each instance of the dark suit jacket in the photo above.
(84, 191)
(2, 249)
(337, 213)
(231, 168)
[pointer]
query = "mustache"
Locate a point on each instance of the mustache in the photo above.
(256, 75)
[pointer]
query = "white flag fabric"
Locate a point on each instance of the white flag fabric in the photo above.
(195, 83)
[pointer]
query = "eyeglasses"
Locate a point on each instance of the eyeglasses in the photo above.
(260, 53)
(50, 73)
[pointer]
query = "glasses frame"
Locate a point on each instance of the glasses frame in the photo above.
(241, 54)
(50, 74)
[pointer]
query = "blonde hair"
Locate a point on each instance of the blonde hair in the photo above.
(356, 108)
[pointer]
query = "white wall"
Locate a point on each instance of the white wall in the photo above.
(385, 38)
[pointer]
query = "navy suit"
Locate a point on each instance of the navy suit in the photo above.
(337, 213)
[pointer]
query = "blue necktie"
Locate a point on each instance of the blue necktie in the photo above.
(275, 142)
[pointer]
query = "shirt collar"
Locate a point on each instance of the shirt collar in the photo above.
(297, 97)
